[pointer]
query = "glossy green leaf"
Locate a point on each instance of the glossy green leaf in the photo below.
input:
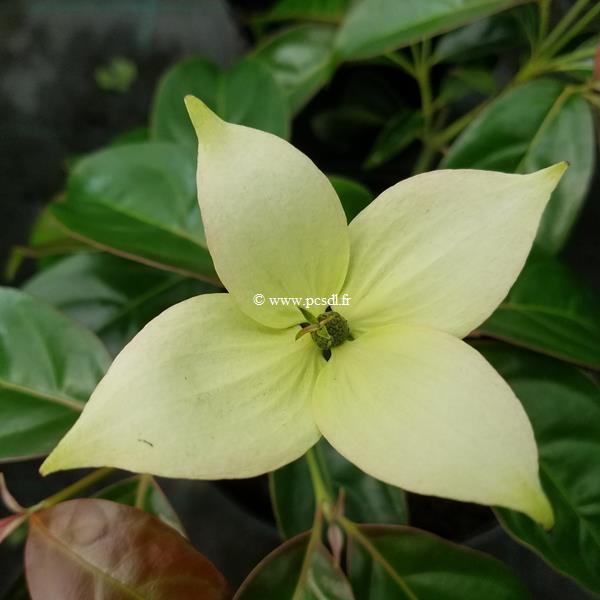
(430, 567)
(528, 128)
(111, 296)
(48, 242)
(301, 60)
(49, 366)
(92, 548)
(374, 27)
(247, 94)
(142, 491)
(365, 499)
(353, 195)
(563, 405)
(549, 310)
(139, 201)
(397, 134)
(330, 11)
(279, 575)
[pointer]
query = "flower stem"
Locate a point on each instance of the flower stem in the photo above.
(354, 532)
(141, 489)
(72, 490)
(553, 42)
(321, 490)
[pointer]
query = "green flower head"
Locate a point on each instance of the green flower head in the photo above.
(224, 387)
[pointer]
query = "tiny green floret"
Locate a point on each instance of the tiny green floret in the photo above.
(332, 332)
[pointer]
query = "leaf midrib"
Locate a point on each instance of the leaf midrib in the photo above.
(65, 401)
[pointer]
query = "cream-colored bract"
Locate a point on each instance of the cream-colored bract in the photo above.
(443, 410)
(253, 249)
(217, 387)
(202, 391)
(443, 248)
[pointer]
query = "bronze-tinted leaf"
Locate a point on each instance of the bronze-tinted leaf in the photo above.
(91, 548)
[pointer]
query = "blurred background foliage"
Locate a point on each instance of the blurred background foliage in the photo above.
(100, 221)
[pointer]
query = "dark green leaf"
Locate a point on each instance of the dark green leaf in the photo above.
(366, 499)
(353, 195)
(247, 94)
(142, 491)
(463, 81)
(132, 136)
(111, 296)
(278, 575)
(398, 133)
(301, 60)
(563, 404)
(91, 548)
(374, 27)
(48, 242)
(139, 201)
(549, 310)
(432, 568)
(49, 366)
(330, 11)
(478, 39)
(528, 128)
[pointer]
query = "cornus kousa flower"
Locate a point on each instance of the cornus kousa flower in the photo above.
(219, 386)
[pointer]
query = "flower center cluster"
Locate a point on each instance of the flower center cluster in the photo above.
(331, 330)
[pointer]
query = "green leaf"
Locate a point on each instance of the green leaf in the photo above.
(366, 499)
(479, 39)
(462, 81)
(247, 94)
(48, 242)
(330, 11)
(374, 27)
(279, 575)
(432, 568)
(49, 366)
(139, 201)
(111, 296)
(549, 310)
(353, 195)
(563, 404)
(533, 126)
(91, 548)
(142, 491)
(301, 61)
(397, 134)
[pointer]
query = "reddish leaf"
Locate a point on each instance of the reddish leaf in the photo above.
(10, 524)
(91, 548)
(7, 498)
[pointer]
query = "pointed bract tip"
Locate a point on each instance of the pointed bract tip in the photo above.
(541, 510)
(203, 119)
(555, 171)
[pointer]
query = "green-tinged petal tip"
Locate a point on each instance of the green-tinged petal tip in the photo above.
(541, 510)
(554, 172)
(203, 119)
